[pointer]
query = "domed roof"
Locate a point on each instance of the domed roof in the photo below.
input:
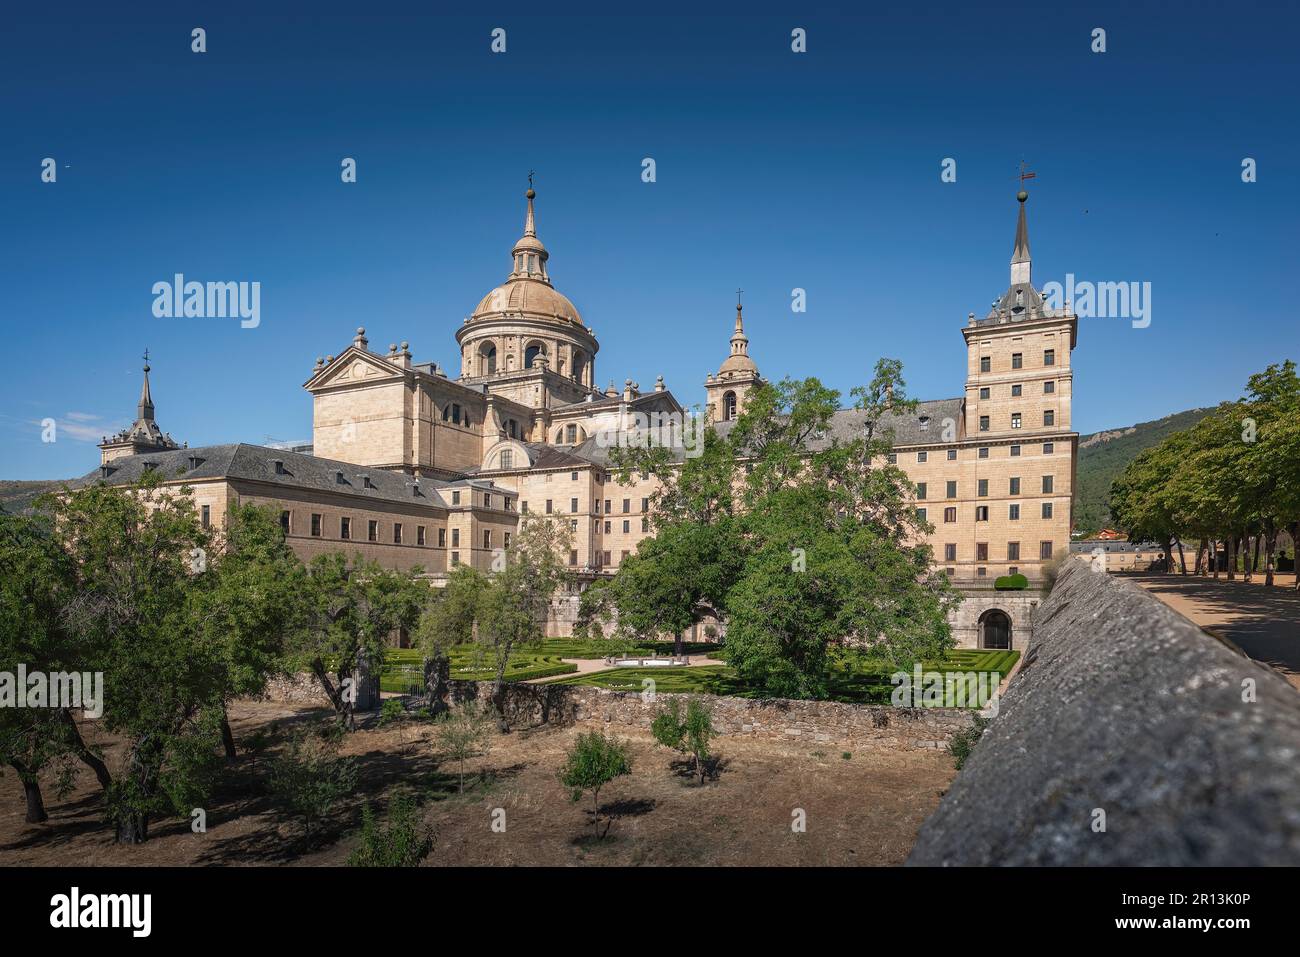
(737, 363)
(528, 290)
(529, 296)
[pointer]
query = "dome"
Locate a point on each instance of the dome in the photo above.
(529, 296)
(737, 363)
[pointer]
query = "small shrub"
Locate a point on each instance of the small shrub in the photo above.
(464, 732)
(403, 842)
(592, 762)
(390, 711)
(1016, 582)
(963, 742)
(309, 778)
(846, 755)
(689, 735)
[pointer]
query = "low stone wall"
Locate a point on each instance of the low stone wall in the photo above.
(302, 688)
(1130, 737)
(863, 727)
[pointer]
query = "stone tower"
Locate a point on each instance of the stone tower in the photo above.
(726, 392)
(143, 436)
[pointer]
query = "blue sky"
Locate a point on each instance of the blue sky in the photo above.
(774, 171)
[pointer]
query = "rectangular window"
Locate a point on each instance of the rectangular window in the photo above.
(1047, 485)
(455, 538)
(1047, 510)
(627, 526)
(892, 458)
(984, 392)
(573, 524)
(981, 551)
(645, 505)
(455, 497)
(981, 572)
(920, 489)
(608, 526)
(1048, 448)
(952, 455)
(573, 476)
(506, 539)
(373, 531)
(1013, 551)
(1049, 357)
(1016, 391)
(284, 520)
(1044, 550)
(627, 505)
(487, 538)
(922, 456)
(1049, 387)
(920, 514)
(950, 553)
(951, 490)
(949, 515)
(523, 507)
(984, 423)
(1015, 420)
(397, 533)
(983, 488)
(442, 538)
(984, 451)
(606, 554)
(985, 363)
(315, 524)
(1017, 360)
(981, 513)
(345, 529)
(573, 557)
(1013, 512)
(548, 506)
(487, 501)
(1049, 417)
(571, 434)
(573, 505)
(507, 458)
(1015, 451)
(645, 524)
(609, 506)
(455, 558)
(1015, 486)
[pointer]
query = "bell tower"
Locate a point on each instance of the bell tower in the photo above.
(727, 391)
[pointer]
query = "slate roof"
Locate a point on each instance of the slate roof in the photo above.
(257, 463)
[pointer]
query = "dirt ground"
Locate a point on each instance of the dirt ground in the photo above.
(864, 810)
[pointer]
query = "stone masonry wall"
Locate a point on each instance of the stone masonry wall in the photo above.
(869, 727)
(1124, 708)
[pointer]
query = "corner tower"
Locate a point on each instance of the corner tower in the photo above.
(144, 435)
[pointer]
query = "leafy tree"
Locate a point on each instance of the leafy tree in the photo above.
(805, 538)
(351, 607)
(130, 612)
(592, 762)
(35, 582)
(690, 734)
(463, 733)
(403, 842)
(506, 610)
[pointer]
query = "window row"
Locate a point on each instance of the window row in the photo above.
(1017, 420)
(982, 487)
(1018, 389)
(922, 457)
(1046, 510)
(1018, 360)
(982, 551)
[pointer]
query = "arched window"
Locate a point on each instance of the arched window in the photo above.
(571, 434)
(728, 406)
(995, 630)
(579, 365)
(512, 427)
(489, 363)
(559, 436)
(531, 353)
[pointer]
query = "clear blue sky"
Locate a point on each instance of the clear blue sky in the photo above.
(775, 171)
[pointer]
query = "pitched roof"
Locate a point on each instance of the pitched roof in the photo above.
(256, 463)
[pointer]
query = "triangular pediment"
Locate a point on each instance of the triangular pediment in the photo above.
(354, 367)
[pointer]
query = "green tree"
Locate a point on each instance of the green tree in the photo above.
(592, 762)
(309, 779)
(690, 734)
(463, 733)
(351, 608)
(403, 842)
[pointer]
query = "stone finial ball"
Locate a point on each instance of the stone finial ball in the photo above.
(531, 192)
(361, 330)
(1022, 196)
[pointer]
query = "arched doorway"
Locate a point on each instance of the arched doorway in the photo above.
(995, 630)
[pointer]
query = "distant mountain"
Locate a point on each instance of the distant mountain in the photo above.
(1103, 455)
(17, 496)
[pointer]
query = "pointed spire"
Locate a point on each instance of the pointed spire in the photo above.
(739, 341)
(1020, 262)
(530, 222)
(144, 408)
(529, 255)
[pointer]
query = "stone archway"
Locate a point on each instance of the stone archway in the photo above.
(995, 630)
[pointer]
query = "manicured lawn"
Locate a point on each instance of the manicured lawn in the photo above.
(858, 683)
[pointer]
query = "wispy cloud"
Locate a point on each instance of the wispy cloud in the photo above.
(80, 426)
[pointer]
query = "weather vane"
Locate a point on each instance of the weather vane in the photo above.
(530, 178)
(738, 292)
(1025, 174)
